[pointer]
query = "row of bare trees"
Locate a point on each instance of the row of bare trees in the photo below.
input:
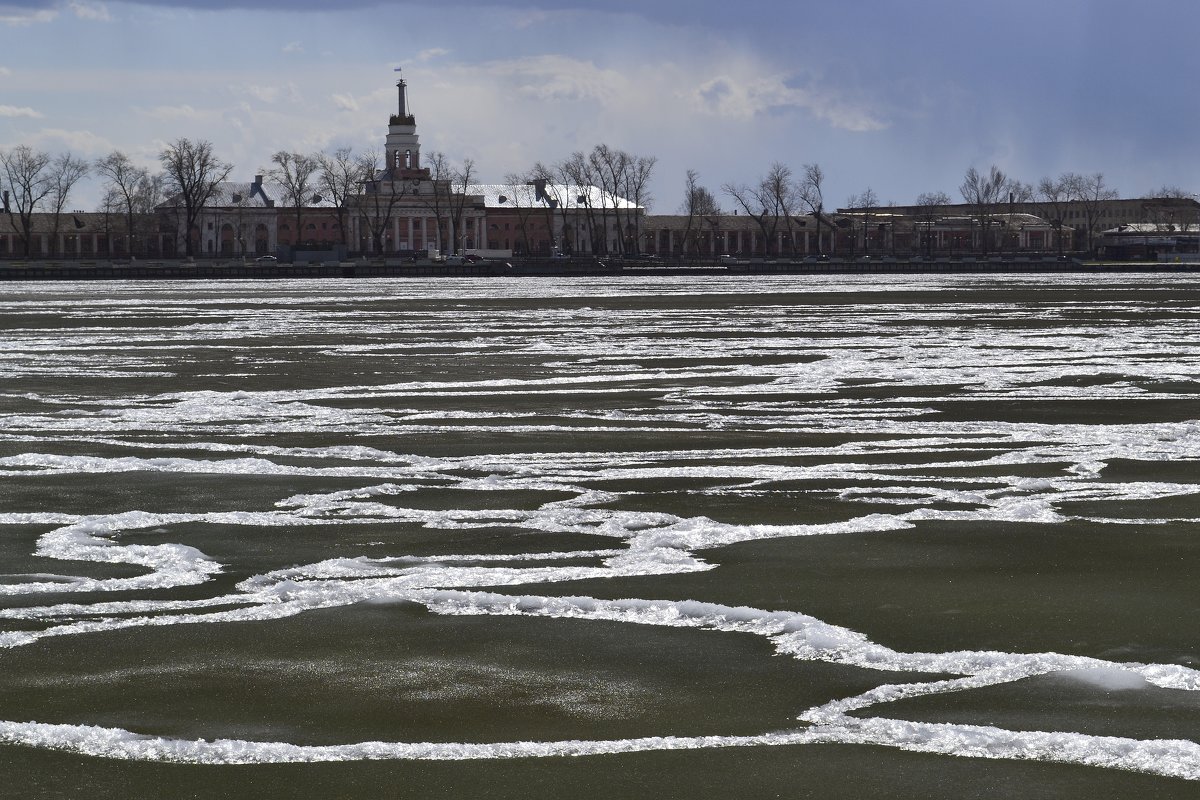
(990, 193)
(332, 180)
(37, 182)
(780, 196)
(191, 177)
(1088, 193)
(582, 197)
(617, 175)
(191, 174)
(442, 194)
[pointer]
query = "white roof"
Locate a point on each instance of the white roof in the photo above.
(238, 194)
(1141, 228)
(523, 195)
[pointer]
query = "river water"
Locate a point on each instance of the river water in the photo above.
(833, 537)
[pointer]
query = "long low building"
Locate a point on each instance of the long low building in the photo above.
(404, 207)
(83, 234)
(845, 234)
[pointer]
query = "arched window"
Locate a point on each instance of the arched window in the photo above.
(408, 159)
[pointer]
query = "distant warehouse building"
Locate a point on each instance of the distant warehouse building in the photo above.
(1152, 240)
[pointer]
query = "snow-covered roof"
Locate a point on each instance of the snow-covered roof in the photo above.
(236, 194)
(1142, 228)
(523, 195)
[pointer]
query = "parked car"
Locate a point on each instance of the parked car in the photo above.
(266, 259)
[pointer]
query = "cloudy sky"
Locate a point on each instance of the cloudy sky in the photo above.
(901, 97)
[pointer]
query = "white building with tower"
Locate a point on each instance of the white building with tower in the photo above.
(407, 206)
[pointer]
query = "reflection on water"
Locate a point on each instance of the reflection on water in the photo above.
(420, 521)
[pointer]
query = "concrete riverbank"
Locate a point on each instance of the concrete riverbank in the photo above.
(216, 269)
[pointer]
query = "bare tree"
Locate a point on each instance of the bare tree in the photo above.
(340, 177)
(553, 199)
(983, 192)
(380, 197)
(811, 192)
(193, 173)
(437, 199)
(521, 192)
(578, 174)
(744, 198)
(447, 197)
(1019, 192)
(770, 203)
(296, 176)
(931, 206)
(460, 181)
(699, 206)
(1092, 194)
(149, 197)
(112, 206)
(1056, 195)
(1016, 193)
(637, 190)
(865, 204)
(938, 200)
(611, 168)
(784, 198)
(1167, 191)
(124, 181)
(27, 173)
(588, 192)
(65, 172)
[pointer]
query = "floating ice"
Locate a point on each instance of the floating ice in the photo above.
(780, 373)
(1110, 679)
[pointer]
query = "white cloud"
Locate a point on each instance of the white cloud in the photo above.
(559, 78)
(92, 11)
(173, 112)
(5, 72)
(345, 102)
(265, 94)
(23, 111)
(83, 143)
(293, 47)
(18, 16)
(742, 97)
(432, 53)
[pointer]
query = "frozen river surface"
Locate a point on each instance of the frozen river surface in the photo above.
(723, 537)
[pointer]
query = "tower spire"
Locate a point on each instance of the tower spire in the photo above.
(401, 85)
(402, 147)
